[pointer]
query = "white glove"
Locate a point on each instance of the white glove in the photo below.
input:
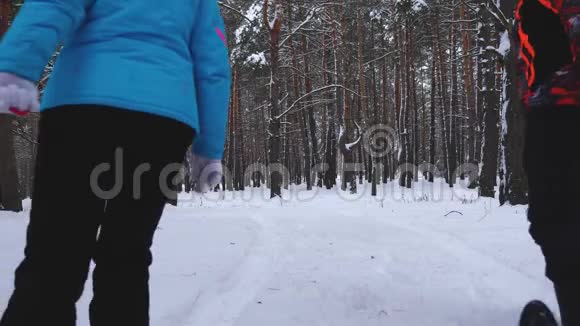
(18, 96)
(206, 173)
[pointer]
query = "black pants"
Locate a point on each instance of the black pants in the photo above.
(552, 160)
(73, 222)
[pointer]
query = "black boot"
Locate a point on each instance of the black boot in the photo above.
(569, 300)
(536, 313)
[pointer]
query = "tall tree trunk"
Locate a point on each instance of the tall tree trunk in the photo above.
(303, 115)
(454, 108)
(331, 172)
(514, 188)
(443, 92)
(10, 198)
(489, 104)
(274, 26)
(310, 121)
(432, 126)
(469, 86)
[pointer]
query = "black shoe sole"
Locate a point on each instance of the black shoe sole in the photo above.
(537, 313)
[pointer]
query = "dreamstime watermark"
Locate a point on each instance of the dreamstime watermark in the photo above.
(114, 180)
(380, 140)
(109, 180)
(421, 189)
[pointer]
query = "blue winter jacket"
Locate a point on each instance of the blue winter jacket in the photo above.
(167, 58)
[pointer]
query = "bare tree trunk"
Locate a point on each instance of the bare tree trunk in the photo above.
(330, 113)
(432, 127)
(454, 108)
(274, 27)
(490, 103)
(443, 89)
(10, 198)
(514, 188)
(469, 86)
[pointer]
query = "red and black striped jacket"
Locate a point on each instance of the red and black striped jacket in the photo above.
(548, 34)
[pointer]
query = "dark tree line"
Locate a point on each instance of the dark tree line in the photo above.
(336, 93)
(313, 77)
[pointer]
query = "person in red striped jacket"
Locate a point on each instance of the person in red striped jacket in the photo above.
(549, 40)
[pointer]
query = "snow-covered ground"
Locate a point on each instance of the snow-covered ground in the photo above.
(331, 259)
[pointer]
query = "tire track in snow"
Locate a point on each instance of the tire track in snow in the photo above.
(222, 304)
(496, 275)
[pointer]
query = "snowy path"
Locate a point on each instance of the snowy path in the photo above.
(333, 263)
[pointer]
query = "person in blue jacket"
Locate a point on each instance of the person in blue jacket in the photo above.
(135, 82)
